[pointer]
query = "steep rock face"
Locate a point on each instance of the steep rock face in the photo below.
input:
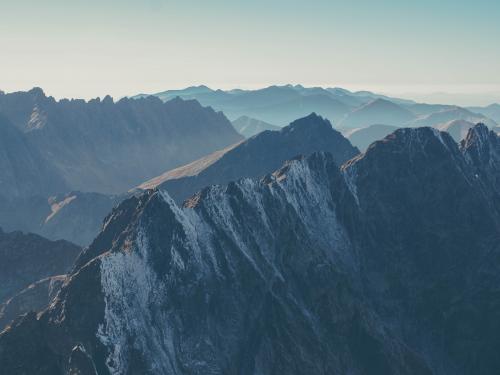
(260, 155)
(481, 147)
(430, 247)
(27, 258)
(385, 266)
(207, 293)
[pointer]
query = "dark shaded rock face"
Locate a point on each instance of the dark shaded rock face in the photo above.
(36, 297)
(387, 265)
(27, 258)
(260, 155)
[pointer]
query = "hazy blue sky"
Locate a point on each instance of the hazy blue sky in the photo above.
(95, 47)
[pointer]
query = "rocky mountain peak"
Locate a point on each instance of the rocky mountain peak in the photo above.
(311, 122)
(37, 92)
(481, 146)
(478, 137)
(413, 141)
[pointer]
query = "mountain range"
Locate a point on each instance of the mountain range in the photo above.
(492, 111)
(285, 252)
(387, 264)
(255, 157)
(99, 148)
(280, 105)
(363, 137)
(107, 147)
(66, 163)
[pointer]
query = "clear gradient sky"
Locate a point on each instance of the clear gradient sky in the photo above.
(76, 48)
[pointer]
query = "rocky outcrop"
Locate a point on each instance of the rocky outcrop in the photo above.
(387, 265)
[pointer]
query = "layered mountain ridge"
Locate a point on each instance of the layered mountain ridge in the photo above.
(96, 150)
(107, 147)
(279, 105)
(255, 157)
(387, 265)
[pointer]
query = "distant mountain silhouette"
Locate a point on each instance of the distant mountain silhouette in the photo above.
(492, 111)
(378, 111)
(363, 137)
(248, 126)
(422, 109)
(278, 104)
(450, 114)
(458, 129)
